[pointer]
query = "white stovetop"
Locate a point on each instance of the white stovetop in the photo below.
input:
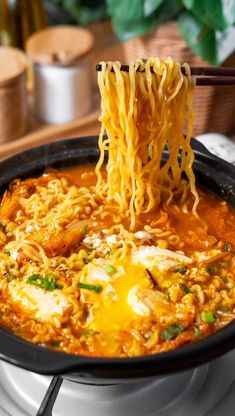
(206, 391)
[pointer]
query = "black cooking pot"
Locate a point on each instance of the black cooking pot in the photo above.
(211, 172)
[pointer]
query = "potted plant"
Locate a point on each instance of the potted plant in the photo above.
(200, 32)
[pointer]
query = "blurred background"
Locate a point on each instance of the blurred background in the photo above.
(61, 99)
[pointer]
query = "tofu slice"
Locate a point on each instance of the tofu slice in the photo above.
(46, 306)
(151, 257)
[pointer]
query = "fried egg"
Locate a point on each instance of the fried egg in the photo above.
(45, 305)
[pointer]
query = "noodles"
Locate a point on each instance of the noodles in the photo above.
(144, 113)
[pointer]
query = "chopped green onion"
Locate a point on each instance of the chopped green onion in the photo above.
(233, 253)
(144, 60)
(95, 288)
(86, 260)
(55, 343)
(48, 283)
(86, 334)
(223, 308)
(9, 277)
(89, 332)
(212, 269)
(197, 332)
(109, 269)
(209, 269)
(226, 247)
(35, 279)
(181, 270)
(185, 288)
(84, 229)
(208, 317)
(172, 331)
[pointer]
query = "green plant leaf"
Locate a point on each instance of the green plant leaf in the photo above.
(127, 30)
(188, 3)
(129, 19)
(214, 46)
(126, 10)
(217, 14)
(169, 10)
(200, 38)
(150, 6)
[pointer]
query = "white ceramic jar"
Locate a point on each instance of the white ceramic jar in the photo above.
(62, 85)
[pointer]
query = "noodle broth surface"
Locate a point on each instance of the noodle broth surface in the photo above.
(73, 277)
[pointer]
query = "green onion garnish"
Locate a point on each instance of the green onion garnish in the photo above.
(197, 332)
(185, 288)
(172, 331)
(86, 260)
(223, 308)
(109, 269)
(181, 270)
(84, 229)
(89, 332)
(48, 282)
(208, 317)
(9, 276)
(209, 269)
(95, 288)
(35, 280)
(55, 343)
(226, 247)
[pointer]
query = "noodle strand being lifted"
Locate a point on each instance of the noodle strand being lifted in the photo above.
(144, 112)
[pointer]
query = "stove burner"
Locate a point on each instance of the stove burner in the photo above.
(194, 392)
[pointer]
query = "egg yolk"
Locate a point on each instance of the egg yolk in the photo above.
(114, 312)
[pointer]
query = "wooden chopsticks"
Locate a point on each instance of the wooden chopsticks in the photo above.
(203, 75)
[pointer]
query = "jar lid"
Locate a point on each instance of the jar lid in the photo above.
(13, 62)
(60, 45)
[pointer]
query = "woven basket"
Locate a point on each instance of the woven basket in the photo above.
(214, 106)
